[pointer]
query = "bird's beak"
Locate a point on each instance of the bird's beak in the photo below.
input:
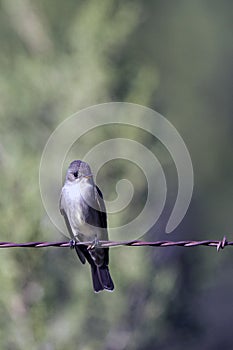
(88, 176)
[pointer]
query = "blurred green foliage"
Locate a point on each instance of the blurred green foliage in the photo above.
(58, 57)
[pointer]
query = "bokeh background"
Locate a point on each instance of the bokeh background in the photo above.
(58, 57)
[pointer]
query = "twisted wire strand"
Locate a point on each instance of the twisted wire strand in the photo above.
(218, 244)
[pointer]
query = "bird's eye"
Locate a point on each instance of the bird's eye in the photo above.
(76, 174)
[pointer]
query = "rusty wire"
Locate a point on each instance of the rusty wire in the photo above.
(218, 244)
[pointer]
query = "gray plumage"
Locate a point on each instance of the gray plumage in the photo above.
(83, 208)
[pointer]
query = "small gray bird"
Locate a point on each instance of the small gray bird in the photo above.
(83, 208)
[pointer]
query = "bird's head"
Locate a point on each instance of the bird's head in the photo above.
(78, 170)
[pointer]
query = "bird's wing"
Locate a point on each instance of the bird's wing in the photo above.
(102, 208)
(60, 203)
(103, 219)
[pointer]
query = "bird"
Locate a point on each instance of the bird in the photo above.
(83, 208)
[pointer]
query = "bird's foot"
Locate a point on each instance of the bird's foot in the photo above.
(94, 244)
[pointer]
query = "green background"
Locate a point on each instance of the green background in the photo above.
(57, 57)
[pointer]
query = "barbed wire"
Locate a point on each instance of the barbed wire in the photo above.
(218, 244)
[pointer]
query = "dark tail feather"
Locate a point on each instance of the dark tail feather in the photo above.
(101, 278)
(100, 274)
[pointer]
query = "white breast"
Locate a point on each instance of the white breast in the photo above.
(74, 201)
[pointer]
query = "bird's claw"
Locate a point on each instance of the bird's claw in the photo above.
(94, 244)
(72, 243)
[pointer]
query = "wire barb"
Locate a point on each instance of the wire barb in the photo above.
(134, 243)
(222, 244)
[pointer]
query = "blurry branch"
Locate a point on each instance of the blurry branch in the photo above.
(108, 244)
(28, 24)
